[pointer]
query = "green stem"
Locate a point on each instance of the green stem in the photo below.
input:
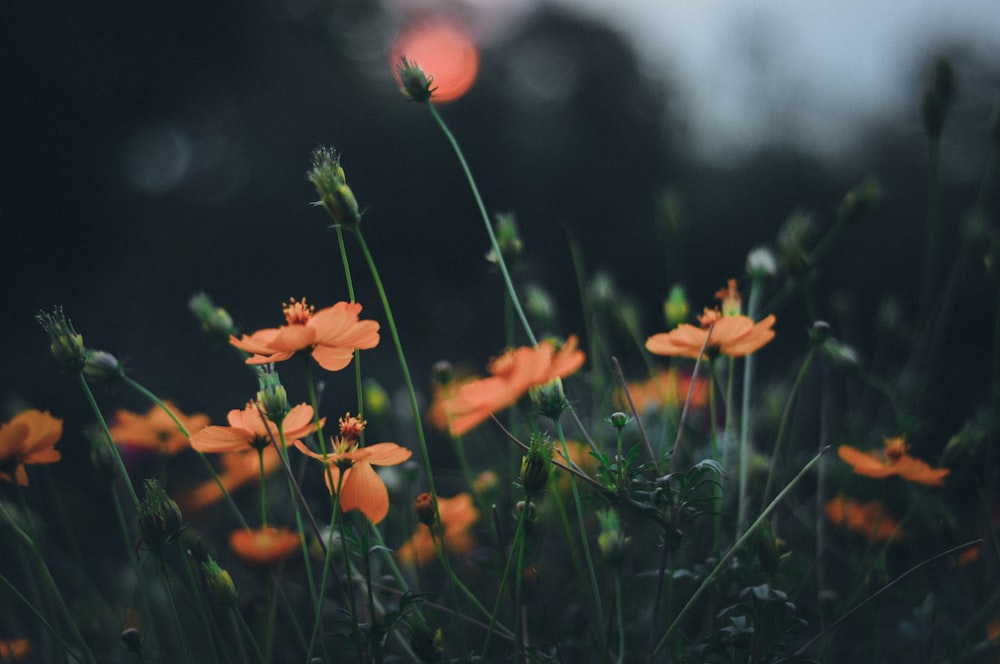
(732, 551)
(486, 221)
(745, 448)
(785, 418)
(240, 623)
(595, 590)
(108, 439)
(518, 532)
(45, 623)
(173, 608)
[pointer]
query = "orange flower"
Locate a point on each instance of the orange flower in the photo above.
(14, 650)
(263, 546)
(238, 470)
(155, 431)
(869, 518)
(361, 488)
(513, 373)
(332, 334)
(246, 427)
(458, 515)
(892, 461)
(734, 336)
(669, 387)
(28, 438)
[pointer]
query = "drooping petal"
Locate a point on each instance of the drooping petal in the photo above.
(333, 358)
(754, 339)
(683, 341)
(299, 422)
(213, 439)
(915, 470)
(292, 338)
(364, 490)
(339, 326)
(258, 343)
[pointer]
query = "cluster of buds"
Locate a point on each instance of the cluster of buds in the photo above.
(67, 348)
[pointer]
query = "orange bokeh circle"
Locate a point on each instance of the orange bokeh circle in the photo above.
(442, 50)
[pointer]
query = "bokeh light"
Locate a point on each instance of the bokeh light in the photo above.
(443, 50)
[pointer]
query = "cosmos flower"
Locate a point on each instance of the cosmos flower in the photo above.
(14, 650)
(156, 431)
(868, 518)
(260, 547)
(458, 515)
(892, 461)
(512, 375)
(360, 488)
(247, 428)
(30, 437)
(330, 334)
(732, 333)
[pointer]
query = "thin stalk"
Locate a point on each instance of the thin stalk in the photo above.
(173, 609)
(745, 448)
(595, 590)
(779, 438)
(724, 560)
(620, 619)
(486, 221)
(518, 532)
(45, 623)
(350, 294)
(635, 414)
(240, 623)
(690, 395)
(885, 588)
(141, 389)
(108, 439)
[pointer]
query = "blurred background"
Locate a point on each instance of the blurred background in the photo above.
(153, 150)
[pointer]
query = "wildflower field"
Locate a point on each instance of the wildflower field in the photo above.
(749, 473)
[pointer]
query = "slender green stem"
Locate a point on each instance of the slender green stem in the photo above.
(109, 441)
(350, 293)
(724, 560)
(486, 221)
(45, 623)
(141, 389)
(785, 419)
(240, 623)
(517, 542)
(404, 368)
(746, 451)
(620, 619)
(173, 609)
(595, 589)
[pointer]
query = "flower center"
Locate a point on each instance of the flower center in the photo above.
(895, 448)
(297, 313)
(351, 428)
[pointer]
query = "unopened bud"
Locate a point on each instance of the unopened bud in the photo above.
(131, 640)
(675, 308)
(508, 239)
(549, 399)
(618, 420)
(102, 367)
(536, 465)
(214, 319)
(423, 505)
(271, 394)
(331, 184)
(160, 520)
(860, 200)
(611, 540)
(65, 343)
(220, 583)
(415, 83)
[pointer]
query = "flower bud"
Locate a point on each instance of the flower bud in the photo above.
(536, 465)
(611, 540)
(159, 518)
(220, 583)
(618, 420)
(271, 394)
(819, 332)
(214, 319)
(331, 184)
(761, 263)
(66, 345)
(377, 400)
(549, 399)
(416, 84)
(860, 200)
(131, 640)
(423, 505)
(508, 239)
(102, 367)
(675, 308)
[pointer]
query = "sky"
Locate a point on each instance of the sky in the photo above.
(810, 70)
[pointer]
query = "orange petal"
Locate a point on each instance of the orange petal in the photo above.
(864, 463)
(387, 454)
(221, 439)
(333, 358)
(364, 490)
